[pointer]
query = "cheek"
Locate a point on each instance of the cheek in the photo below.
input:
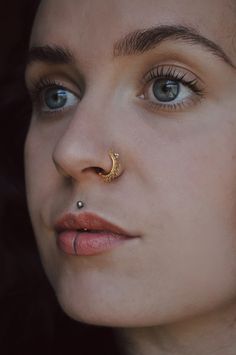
(193, 200)
(30, 159)
(38, 158)
(41, 181)
(192, 165)
(40, 174)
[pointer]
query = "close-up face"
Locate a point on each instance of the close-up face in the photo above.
(155, 82)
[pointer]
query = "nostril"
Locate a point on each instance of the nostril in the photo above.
(74, 161)
(99, 170)
(96, 169)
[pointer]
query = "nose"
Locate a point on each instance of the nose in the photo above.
(82, 150)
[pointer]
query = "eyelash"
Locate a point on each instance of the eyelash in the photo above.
(40, 85)
(38, 89)
(163, 72)
(173, 73)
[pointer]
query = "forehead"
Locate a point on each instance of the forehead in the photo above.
(96, 24)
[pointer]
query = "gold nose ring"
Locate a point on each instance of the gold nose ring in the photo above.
(115, 171)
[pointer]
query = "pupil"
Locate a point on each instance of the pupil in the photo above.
(166, 90)
(55, 98)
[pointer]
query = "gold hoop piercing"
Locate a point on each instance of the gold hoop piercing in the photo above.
(115, 171)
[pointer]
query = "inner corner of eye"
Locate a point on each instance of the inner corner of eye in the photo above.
(141, 96)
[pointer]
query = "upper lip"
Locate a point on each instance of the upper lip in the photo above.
(87, 221)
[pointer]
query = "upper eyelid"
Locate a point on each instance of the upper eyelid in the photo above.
(176, 73)
(184, 75)
(171, 68)
(60, 78)
(37, 87)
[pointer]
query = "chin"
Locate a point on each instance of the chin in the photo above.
(100, 309)
(97, 309)
(98, 312)
(122, 310)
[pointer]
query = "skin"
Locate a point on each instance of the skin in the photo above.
(173, 289)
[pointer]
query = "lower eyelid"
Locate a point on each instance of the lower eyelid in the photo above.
(41, 113)
(173, 108)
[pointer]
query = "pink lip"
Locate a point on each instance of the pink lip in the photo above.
(88, 234)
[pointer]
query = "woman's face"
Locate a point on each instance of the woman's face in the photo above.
(164, 99)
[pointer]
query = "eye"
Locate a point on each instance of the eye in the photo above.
(168, 91)
(165, 90)
(50, 97)
(54, 99)
(171, 88)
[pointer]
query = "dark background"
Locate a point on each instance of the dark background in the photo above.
(31, 321)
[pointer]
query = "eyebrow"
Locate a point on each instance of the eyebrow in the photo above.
(134, 43)
(49, 54)
(141, 41)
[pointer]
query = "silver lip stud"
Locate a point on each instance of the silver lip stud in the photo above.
(80, 204)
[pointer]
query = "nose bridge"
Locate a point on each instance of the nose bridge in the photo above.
(91, 122)
(89, 135)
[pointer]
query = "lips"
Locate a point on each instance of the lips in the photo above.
(88, 234)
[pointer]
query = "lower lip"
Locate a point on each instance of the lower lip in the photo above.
(88, 243)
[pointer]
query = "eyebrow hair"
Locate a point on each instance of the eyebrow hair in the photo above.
(140, 41)
(134, 43)
(49, 54)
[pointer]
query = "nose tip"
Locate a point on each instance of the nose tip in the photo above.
(76, 163)
(86, 147)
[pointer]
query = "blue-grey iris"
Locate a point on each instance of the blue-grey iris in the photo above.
(166, 90)
(55, 98)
